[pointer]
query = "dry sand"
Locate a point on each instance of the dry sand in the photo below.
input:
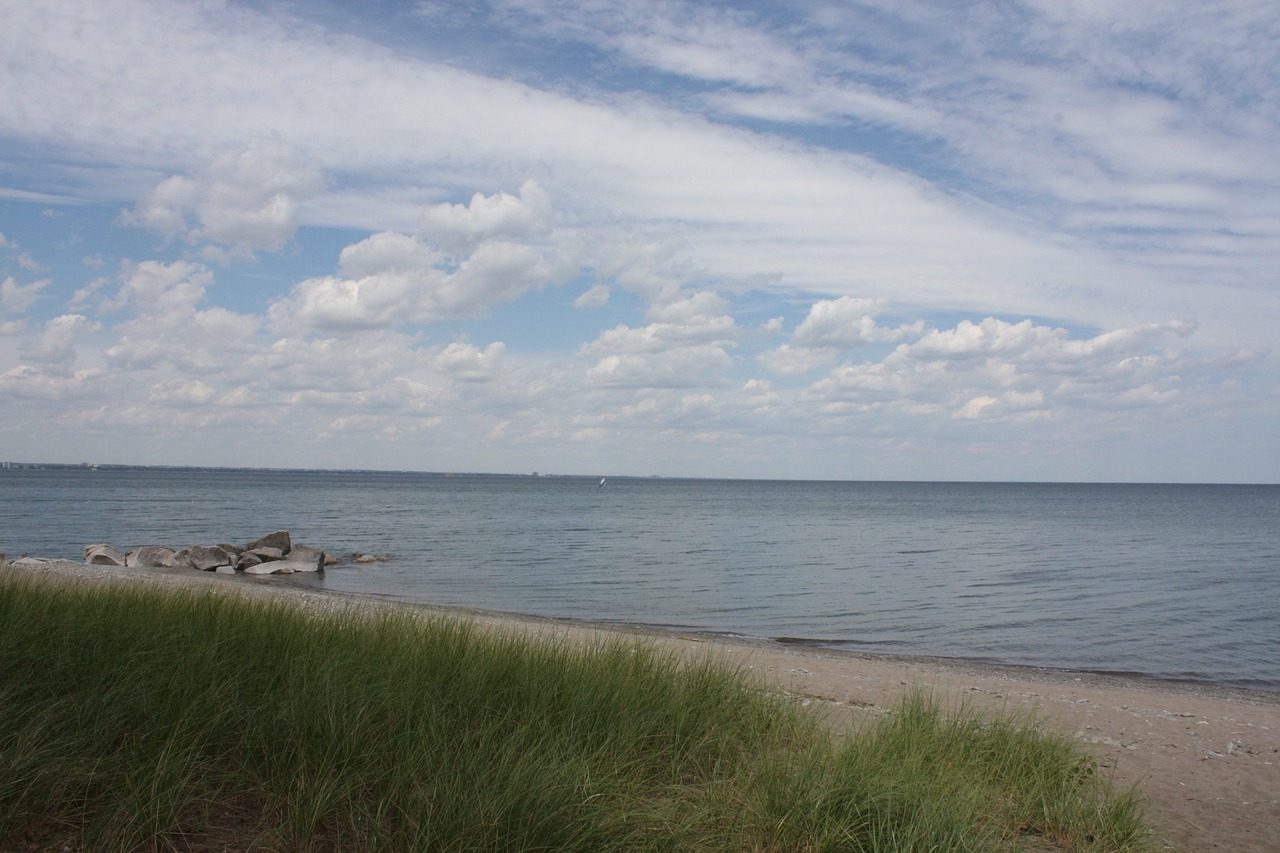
(1206, 758)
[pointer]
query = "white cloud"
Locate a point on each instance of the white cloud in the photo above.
(248, 198)
(467, 363)
(1019, 371)
(596, 296)
(687, 343)
(788, 360)
(18, 298)
(846, 323)
(164, 209)
(168, 328)
(164, 291)
(682, 367)
(975, 407)
(29, 263)
(387, 252)
(458, 229)
(392, 279)
(833, 325)
(182, 393)
(396, 280)
(1099, 167)
(56, 344)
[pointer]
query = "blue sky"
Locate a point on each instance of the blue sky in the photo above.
(880, 240)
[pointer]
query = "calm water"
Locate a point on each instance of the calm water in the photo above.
(1168, 581)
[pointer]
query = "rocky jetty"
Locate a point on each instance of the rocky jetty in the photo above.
(274, 553)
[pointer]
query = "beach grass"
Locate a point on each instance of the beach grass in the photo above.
(139, 718)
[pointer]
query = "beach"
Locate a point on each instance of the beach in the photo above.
(1207, 758)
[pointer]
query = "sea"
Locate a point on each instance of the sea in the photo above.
(1172, 582)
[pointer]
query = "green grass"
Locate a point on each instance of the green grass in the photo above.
(138, 719)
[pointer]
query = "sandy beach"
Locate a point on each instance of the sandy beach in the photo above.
(1207, 758)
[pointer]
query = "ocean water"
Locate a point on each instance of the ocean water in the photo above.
(1167, 581)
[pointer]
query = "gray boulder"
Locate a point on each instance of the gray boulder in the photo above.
(279, 539)
(150, 557)
(103, 555)
(263, 568)
(202, 557)
(247, 559)
(305, 555)
(265, 555)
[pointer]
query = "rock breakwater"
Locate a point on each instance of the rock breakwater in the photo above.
(274, 553)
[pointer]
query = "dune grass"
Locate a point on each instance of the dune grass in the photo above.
(134, 718)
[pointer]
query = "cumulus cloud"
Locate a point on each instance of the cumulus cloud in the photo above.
(168, 327)
(687, 341)
(846, 323)
(55, 346)
(832, 326)
(682, 367)
(468, 363)
(457, 228)
(702, 309)
(164, 209)
(1021, 371)
(248, 198)
(392, 279)
(163, 291)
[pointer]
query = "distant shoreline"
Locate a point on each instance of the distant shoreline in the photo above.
(238, 469)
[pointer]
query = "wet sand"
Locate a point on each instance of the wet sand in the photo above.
(1207, 758)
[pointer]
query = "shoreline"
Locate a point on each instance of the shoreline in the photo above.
(1207, 757)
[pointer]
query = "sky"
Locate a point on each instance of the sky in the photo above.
(1008, 240)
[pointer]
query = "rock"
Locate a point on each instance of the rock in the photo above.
(103, 555)
(202, 557)
(274, 553)
(247, 559)
(331, 559)
(368, 558)
(28, 561)
(150, 557)
(279, 539)
(308, 556)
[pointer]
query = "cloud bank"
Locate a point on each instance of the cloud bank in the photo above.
(840, 240)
